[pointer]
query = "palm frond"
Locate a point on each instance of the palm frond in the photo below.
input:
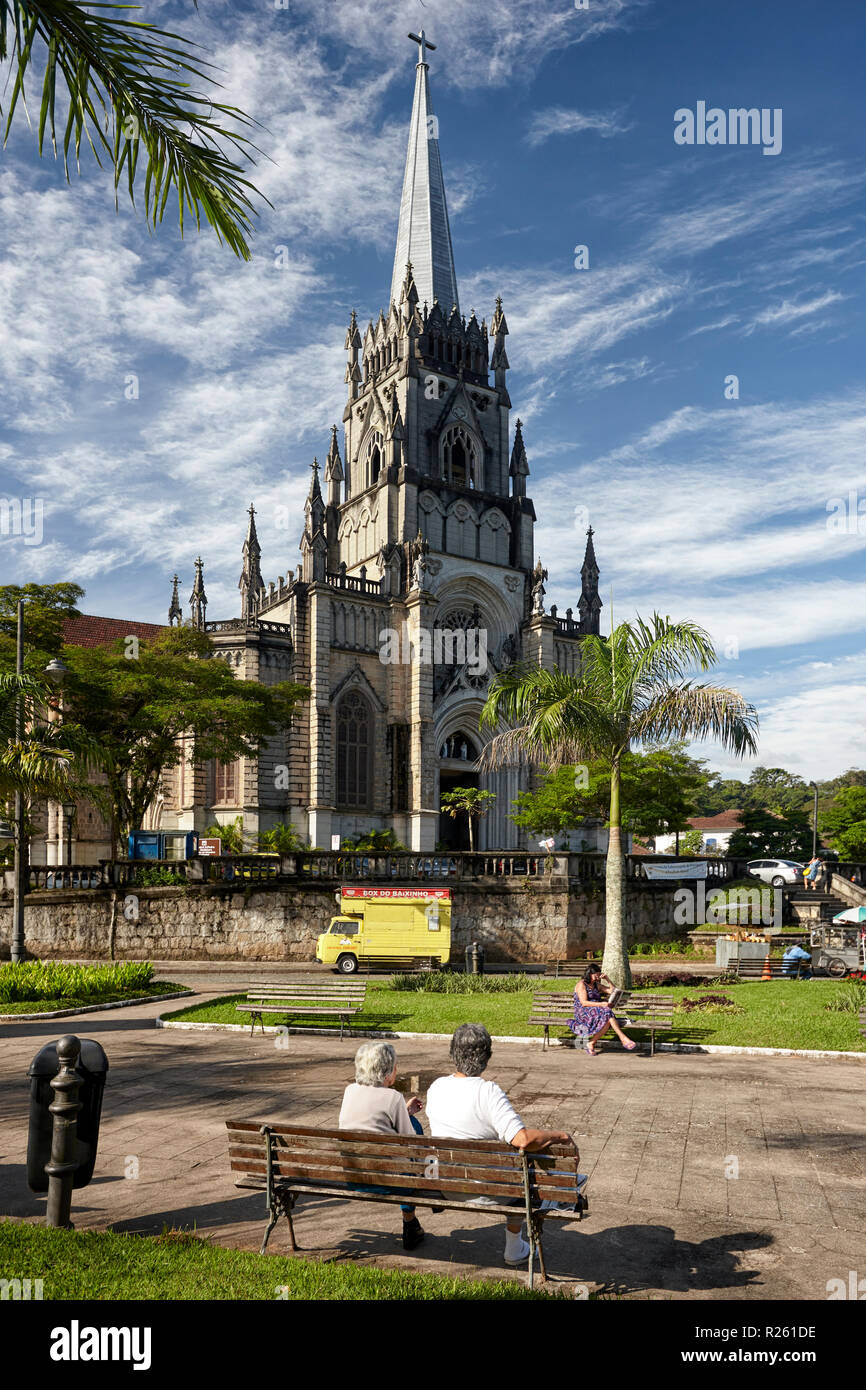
(130, 87)
(689, 710)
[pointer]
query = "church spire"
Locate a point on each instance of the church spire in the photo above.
(250, 581)
(198, 597)
(519, 466)
(175, 612)
(424, 236)
(334, 470)
(589, 605)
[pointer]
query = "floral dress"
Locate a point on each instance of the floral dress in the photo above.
(589, 1018)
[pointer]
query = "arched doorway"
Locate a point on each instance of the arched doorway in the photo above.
(457, 755)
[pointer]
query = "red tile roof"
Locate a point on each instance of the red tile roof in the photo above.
(725, 820)
(89, 631)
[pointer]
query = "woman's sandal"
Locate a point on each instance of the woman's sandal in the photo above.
(591, 1051)
(629, 1046)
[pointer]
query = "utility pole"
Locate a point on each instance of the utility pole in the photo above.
(815, 822)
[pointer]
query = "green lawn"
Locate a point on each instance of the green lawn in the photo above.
(777, 1013)
(44, 1006)
(178, 1265)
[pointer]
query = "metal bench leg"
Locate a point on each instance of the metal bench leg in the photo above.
(270, 1226)
(253, 1017)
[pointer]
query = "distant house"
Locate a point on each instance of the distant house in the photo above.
(716, 832)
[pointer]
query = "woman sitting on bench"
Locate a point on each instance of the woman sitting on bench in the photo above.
(369, 1102)
(592, 1018)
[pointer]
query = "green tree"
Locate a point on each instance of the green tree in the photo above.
(471, 802)
(46, 608)
(774, 789)
(632, 688)
(137, 708)
(847, 810)
(851, 842)
(691, 842)
(767, 834)
(132, 89)
(656, 791)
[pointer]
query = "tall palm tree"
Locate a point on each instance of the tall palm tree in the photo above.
(131, 87)
(631, 689)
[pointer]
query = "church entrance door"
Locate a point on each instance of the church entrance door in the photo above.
(454, 830)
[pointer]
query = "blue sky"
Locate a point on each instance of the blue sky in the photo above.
(556, 130)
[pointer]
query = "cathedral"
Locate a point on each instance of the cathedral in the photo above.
(418, 579)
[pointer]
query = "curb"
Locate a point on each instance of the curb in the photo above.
(95, 1008)
(705, 1048)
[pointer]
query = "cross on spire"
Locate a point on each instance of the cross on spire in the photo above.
(423, 44)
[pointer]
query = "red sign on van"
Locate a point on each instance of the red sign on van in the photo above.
(443, 894)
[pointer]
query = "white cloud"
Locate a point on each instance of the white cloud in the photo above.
(556, 120)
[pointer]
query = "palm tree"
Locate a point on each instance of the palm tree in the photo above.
(471, 802)
(125, 84)
(631, 688)
(45, 760)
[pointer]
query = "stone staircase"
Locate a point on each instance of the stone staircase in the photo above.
(813, 907)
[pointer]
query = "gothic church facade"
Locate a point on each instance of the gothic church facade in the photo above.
(419, 525)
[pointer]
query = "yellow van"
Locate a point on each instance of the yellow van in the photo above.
(387, 924)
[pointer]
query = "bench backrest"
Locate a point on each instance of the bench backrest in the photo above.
(339, 990)
(455, 1167)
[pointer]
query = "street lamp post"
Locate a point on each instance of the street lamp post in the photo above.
(815, 821)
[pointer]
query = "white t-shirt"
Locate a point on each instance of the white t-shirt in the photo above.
(468, 1107)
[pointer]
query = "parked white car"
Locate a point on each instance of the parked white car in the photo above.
(776, 871)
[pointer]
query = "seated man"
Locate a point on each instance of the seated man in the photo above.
(463, 1106)
(795, 962)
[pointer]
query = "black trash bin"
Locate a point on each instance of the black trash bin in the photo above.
(92, 1067)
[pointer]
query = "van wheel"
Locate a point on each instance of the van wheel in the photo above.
(347, 965)
(837, 967)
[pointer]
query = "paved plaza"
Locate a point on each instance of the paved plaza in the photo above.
(657, 1137)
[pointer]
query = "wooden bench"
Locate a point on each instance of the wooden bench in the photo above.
(564, 969)
(396, 965)
(307, 998)
(286, 1160)
(751, 969)
(653, 1013)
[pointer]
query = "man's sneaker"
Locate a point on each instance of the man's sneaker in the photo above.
(521, 1254)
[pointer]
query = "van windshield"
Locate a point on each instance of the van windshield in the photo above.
(344, 927)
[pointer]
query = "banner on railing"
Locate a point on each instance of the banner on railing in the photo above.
(349, 892)
(680, 868)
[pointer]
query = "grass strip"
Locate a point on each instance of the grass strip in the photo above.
(776, 1013)
(179, 1265)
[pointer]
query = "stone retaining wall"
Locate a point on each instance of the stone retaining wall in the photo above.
(516, 920)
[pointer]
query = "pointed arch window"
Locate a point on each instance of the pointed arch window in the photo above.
(354, 752)
(374, 458)
(460, 461)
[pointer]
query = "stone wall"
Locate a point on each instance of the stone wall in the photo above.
(516, 920)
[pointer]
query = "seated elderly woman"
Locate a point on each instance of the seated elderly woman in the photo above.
(369, 1102)
(463, 1106)
(592, 1017)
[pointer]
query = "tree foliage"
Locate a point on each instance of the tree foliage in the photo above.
(137, 710)
(631, 689)
(656, 794)
(130, 89)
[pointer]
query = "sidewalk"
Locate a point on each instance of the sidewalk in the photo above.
(657, 1137)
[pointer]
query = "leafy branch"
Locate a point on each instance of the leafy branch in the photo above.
(121, 79)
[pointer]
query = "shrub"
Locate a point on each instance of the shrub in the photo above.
(849, 998)
(446, 982)
(711, 1004)
(670, 977)
(50, 979)
(158, 877)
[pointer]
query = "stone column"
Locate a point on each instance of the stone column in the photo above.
(423, 759)
(321, 805)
